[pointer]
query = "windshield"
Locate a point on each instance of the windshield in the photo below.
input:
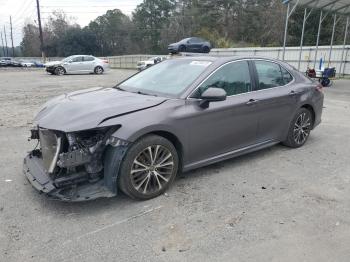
(169, 78)
(67, 59)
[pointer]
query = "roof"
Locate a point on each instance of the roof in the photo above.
(341, 7)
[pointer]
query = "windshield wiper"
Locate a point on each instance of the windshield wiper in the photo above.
(119, 88)
(142, 93)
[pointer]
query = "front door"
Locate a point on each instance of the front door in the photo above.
(226, 125)
(75, 65)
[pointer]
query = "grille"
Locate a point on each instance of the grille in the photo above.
(50, 148)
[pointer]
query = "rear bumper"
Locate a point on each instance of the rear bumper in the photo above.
(318, 107)
(34, 171)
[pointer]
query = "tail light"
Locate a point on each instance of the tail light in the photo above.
(105, 61)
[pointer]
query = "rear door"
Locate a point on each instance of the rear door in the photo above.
(88, 63)
(276, 100)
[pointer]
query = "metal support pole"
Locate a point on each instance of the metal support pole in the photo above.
(302, 37)
(344, 44)
(318, 38)
(332, 39)
(285, 32)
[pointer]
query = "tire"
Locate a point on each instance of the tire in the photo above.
(325, 82)
(59, 71)
(300, 128)
(98, 70)
(138, 177)
(206, 49)
(182, 48)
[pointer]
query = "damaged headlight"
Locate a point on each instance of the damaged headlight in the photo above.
(115, 141)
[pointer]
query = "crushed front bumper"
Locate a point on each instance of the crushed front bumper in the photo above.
(34, 171)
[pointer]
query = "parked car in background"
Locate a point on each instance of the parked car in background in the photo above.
(141, 65)
(78, 64)
(9, 62)
(176, 116)
(26, 63)
(191, 44)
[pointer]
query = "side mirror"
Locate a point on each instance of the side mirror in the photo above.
(212, 94)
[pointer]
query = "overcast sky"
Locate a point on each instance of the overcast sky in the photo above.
(82, 10)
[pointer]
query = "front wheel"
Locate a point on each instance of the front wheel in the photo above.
(59, 71)
(300, 128)
(149, 168)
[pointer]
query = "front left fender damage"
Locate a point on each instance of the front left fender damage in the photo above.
(86, 167)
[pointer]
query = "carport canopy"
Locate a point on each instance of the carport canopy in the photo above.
(336, 8)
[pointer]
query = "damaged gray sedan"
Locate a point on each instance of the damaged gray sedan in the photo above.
(176, 116)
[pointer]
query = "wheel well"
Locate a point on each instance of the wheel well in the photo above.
(60, 67)
(311, 109)
(175, 141)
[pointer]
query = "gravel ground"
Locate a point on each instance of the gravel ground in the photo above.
(277, 204)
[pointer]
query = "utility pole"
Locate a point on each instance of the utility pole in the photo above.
(3, 46)
(7, 50)
(13, 49)
(41, 32)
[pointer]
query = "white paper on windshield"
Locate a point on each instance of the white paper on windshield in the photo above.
(200, 63)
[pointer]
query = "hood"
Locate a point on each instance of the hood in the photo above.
(87, 109)
(52, 63)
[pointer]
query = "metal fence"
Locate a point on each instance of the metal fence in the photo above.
(292, 55)
(338, 59)
(126, 61)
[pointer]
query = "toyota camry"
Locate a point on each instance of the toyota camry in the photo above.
(176, 116)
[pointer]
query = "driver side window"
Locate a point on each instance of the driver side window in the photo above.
(234, 78)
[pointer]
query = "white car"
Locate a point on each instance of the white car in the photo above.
(77, 64)
(141, 65)
(26, 63)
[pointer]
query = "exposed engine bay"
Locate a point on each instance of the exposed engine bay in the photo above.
(73, 164)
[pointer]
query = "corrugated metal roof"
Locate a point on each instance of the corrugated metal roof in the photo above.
(336, 6)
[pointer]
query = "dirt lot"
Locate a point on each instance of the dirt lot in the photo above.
(274, 205)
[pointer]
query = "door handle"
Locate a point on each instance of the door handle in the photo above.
(252, 102)
(293, 93)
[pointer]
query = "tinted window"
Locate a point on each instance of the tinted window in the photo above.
(234, 78)
(88, 58)
(269, 74)
(287, 77)
(77, 59)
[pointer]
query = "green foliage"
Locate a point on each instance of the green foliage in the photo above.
(156, 23)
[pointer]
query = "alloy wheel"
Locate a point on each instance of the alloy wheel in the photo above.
(152, 169)
(99, 70)
(60, 71)
(302, 128)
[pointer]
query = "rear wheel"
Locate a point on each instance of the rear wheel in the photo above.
(98, 70)
(149, 168)
(59, 71)
(300, 128)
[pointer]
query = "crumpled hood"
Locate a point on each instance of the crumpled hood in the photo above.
(87, 109)
(52, 63)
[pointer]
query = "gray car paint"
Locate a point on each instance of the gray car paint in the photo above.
(222, 130)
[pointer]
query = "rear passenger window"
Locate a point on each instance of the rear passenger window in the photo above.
(269, 75)
(88, 58)
(234, 78)
(287, 77)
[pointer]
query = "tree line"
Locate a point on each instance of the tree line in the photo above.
(156, 23)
